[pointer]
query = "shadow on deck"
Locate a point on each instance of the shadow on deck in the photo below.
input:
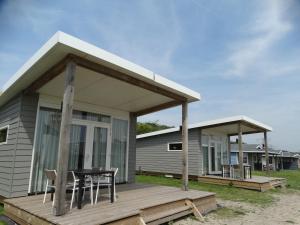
(136, 204)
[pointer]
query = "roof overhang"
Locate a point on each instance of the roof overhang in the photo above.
(228, 126)
(101, 78)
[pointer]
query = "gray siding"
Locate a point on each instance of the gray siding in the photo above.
(132, 149)
(9, 115)
(153, 155)
(15, 156)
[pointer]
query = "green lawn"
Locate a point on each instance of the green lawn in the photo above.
(292, 176)
(1, 213)
(223, 192)
(1, 209)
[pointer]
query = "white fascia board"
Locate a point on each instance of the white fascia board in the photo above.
(210, 123)
(88, 50)
(231, 119)
(256, 123)
(180, 88)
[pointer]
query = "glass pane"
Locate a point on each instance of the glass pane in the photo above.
(77, 147)
(175, 147)
(91, 116)
(99, 148)
(3, 135)
(119, 148)
(205, 159)
(212, 158)
(219, 149)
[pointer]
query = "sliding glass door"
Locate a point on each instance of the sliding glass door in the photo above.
(215, 157)
(95, 141)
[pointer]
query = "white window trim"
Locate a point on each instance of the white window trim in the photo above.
(170, 150)
(3, 128)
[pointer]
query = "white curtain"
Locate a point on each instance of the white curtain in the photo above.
(99, 147)
(119, 148)
(77, 147)
(46, 145)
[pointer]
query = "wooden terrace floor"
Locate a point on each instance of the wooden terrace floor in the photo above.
(136, 204)
(259, 183)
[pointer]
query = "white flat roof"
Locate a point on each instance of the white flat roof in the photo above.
(62, 44)
(213, 123)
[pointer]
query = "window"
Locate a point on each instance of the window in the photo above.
(175, 146)
(245, 158)
(270, 160)
(3, 135)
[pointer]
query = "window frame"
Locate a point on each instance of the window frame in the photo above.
(3, 128)
(170, 150)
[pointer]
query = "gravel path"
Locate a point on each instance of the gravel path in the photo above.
(285, 210)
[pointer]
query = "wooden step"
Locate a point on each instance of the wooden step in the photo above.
(175, 213)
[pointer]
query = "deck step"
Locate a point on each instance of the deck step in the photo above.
(174, 213)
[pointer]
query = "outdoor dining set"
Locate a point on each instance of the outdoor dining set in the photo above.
(81, 180)
(231, 170)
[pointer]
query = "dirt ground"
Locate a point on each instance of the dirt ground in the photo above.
(285, 210)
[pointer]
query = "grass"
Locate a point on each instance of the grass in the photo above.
(1, 213)
(223, 192)
(292, 176)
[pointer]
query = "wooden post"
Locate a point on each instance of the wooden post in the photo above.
(64, 141)
(266, 152)
(185, 151)
(241, 157)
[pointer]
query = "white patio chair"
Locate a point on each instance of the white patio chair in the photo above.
(74, 183)
(106, 183)
(51, 177)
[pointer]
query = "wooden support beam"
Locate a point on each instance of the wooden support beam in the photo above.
(266, 152)
(157, 108)
(50, 74)
(195, 210)
(241, 156)
(64, 141)
(185, 150)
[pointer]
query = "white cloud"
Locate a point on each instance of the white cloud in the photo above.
(268, 27)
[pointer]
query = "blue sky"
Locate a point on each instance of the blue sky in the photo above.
(242, 56)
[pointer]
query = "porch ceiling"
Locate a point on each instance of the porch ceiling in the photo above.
(98, 89)
(232, 128)
(125, 86)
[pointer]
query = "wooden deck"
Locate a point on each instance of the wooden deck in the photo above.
(258, 183)
(136, 205)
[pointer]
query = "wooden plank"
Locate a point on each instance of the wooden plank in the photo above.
(195, 210)
(185, 150)
(157, 108)
(132, 201)
(64, 140)
(241, 157)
